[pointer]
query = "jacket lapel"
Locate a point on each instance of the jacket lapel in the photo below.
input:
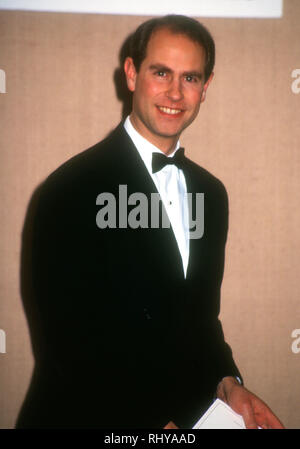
(131, 171)
(196, 245)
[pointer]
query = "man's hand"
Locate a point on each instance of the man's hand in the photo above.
(253, 410)
(170, 425)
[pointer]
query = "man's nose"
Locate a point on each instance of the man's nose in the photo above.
(175, 91)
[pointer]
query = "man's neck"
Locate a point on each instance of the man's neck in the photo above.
(166, 144)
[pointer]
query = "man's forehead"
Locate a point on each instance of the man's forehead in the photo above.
(165, 47)
(165, 32)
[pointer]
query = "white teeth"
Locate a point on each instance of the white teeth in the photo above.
(169, 110)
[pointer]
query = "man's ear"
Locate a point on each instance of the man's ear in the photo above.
(206, 87)
(130, 73)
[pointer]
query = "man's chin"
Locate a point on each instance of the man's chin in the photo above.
(171, 132)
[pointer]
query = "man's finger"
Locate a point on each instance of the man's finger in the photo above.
(249, 418)
(274, 422)
(171, 425)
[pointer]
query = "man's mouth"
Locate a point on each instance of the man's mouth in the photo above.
(169, 111)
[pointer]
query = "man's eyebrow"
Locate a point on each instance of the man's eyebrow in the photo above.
(161, 67)
(194, 73)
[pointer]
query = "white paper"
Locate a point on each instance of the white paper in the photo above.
(220, 416)
(196, 8)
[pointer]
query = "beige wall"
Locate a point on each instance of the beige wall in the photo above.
(61, 99)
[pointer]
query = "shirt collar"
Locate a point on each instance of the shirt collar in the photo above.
(144, 147)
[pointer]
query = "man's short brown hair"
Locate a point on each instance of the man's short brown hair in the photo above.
(177, 24)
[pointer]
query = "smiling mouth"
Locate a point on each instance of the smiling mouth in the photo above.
(169, 111)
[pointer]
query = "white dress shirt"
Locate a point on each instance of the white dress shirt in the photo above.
(171, 185)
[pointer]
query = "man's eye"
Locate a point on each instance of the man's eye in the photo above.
(191, 79)
(160, 73)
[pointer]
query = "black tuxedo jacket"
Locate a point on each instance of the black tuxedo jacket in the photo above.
(126, 340)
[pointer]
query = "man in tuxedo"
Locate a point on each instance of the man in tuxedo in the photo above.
(128, 312)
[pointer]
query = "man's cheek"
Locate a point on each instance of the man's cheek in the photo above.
(153, 90)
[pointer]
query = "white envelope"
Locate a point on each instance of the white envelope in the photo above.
(220, 416)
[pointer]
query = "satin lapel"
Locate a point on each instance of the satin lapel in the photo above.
(131, 170)
(196, 249)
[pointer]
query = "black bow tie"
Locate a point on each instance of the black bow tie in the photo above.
(159, 160)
